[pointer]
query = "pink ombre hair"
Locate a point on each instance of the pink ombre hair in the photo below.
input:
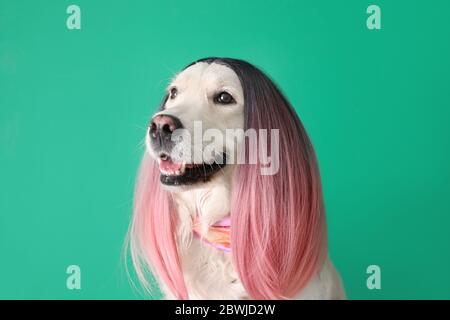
(278, 229)
(152, 235)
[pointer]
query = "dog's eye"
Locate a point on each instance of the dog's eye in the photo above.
(224, 98)
(173, 93)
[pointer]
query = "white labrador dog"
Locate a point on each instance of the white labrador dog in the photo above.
(218, 218)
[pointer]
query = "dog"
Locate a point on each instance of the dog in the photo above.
(210, 227)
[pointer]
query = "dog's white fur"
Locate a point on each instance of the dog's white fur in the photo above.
(209, 272)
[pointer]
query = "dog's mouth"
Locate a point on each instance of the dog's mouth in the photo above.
(181, 173)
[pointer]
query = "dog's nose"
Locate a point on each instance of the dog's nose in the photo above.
(162, 126)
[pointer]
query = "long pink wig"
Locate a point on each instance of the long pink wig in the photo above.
(278, 229)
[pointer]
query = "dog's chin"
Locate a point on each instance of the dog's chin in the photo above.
(181, 174)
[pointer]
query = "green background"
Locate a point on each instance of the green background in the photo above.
(74, 106)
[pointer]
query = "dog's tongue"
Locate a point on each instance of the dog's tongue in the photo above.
(169, 166)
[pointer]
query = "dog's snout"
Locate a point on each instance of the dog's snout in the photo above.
(162, 127)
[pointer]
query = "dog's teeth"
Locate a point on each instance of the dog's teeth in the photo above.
(177, 172)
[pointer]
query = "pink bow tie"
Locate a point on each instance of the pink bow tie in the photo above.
(218, 235)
